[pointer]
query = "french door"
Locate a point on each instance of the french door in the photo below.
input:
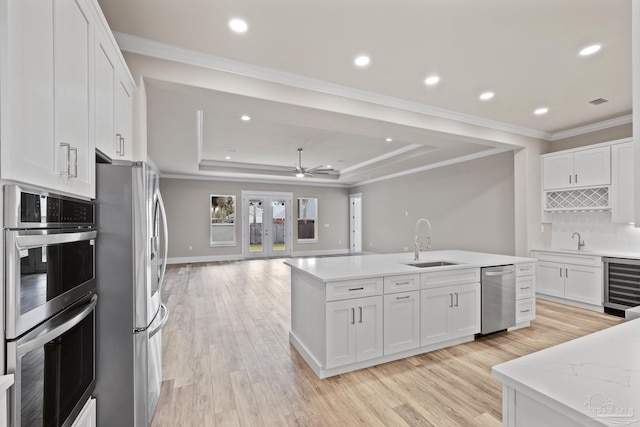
(266, 219)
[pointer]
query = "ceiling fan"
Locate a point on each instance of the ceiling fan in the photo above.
(301, 172)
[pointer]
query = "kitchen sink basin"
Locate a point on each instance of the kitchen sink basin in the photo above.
(427, 264)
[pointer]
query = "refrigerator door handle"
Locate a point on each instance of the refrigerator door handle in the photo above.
(165, 239)
(165, 317)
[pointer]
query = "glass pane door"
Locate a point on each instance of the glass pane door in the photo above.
(255, 216)
(267, 225)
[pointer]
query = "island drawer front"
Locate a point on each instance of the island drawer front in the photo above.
(525, 269)
(525, 287)
(354, 288)
(458, 276)
(592, 260)
(404, 283)
(525, 310)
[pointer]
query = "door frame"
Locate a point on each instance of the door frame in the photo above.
(355, 223)
(267, 197)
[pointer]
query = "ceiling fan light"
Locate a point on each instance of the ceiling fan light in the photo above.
(299, 175)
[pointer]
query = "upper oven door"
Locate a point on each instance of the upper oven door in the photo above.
(46, 271)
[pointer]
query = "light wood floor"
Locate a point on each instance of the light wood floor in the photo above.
(228, 362)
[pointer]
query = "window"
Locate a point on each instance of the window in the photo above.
(307, 220)
(223, 220)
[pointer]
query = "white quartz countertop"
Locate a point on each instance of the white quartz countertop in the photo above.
(613, 254)
(331, 269)
(584, 374)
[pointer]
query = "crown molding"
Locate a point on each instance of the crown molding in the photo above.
(298, 181)
(449, 162)
(605, 124)
(146, 47)
(386, 156)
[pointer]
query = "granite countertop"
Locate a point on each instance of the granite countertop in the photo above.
(332, 269)
(613, 254)
(583, 375)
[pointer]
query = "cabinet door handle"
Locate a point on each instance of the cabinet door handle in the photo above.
(75, 161)
(360, 313)
(450, 300)
(356, 289)
(122, 146)
(353, 316)
(560, 271)
(456, 299)
(566, 272)
(65, 168)
(404, 297)
(576, 180)
(569, 179)
(118, 137)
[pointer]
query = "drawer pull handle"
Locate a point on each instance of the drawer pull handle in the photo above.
(524, 311)
(356, 289)
(404, 297)
(402, 283)
(527, 287)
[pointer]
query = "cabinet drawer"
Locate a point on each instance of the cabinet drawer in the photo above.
(570, 258)
(458, 276)
(525, 310)
(354, 288)
(525, 269)
(404, 283)
(525, 287)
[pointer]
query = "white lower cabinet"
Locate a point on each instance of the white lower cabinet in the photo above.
(401, 322)
(354, 331)
(575, 278)
(449, 312)
(87, 417)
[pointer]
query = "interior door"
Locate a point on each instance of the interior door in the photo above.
(267, 225)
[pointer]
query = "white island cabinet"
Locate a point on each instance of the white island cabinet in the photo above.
(353, 312)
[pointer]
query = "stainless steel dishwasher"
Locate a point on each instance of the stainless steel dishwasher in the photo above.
(498, 288)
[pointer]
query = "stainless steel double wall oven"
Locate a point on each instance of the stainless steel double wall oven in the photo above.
(50, 301)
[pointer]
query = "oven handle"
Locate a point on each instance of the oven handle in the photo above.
(28, 241)
(75, 317)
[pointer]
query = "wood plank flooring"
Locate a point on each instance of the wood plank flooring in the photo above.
(227, 361)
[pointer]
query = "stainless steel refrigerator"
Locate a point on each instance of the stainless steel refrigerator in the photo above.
(131, 253)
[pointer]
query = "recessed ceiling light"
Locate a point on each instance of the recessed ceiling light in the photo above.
(540, 111)
(487, 96)
(389, 139)
(238, 25)
(245, 118)
(328, 166)
(431, 80)
(590, 50)
(362, 61)
(227, 158)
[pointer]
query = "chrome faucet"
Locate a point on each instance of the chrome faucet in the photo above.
(580, 242)
(417, 245)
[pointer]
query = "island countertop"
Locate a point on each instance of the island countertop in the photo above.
(331, 269)
(587, 379)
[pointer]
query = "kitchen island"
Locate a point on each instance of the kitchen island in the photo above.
(593, 380)
(353, 312)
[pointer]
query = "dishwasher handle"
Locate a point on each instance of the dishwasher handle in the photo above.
(498, 273)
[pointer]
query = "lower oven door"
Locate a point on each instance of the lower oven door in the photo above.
(54, 368)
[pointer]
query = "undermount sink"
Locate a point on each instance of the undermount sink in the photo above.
(427, 264)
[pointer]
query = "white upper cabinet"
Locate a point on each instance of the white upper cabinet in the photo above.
(59, 91)
(622, 199)
(47, 125)
(123, 119)
(582, 168)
